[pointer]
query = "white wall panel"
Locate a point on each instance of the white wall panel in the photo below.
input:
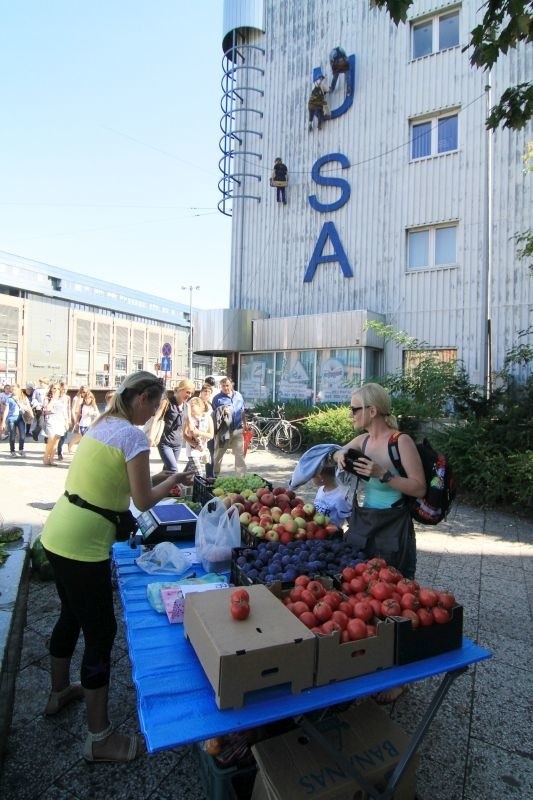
(272, 244)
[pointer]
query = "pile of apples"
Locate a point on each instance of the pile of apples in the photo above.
(279, 515)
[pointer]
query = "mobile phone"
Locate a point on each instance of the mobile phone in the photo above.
(352, 455)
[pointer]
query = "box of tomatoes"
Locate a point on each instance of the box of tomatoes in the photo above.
(425, 641)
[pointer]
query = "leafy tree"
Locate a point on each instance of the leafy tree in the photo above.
(505, 23)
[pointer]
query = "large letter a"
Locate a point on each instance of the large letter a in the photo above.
(329, 231)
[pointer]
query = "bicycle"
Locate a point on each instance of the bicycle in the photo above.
(276, 430)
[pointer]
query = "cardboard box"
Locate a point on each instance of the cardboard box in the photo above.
(415, 644)
(294, 767)
(337, 661)
(270, 648)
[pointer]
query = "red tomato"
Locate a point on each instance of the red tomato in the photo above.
(345, 586)
(409, 601)
(425, 616)
(380, 563)
(357, 585)
(356, 629)
(329, 626)
(363, 610)
(371, 574)
(360, 568)
(340, 618)
(412, 615)
(296, 593)
(302, 580)
(346, 607)
(345, 637)
(376, 605)
(428, 597)
(240, 611)
(333, 598)
(299, 607)
(371, 630)
(390, 574)
(240, 596)
(308, 619)
(390, 608)
(317, 588)
(407, 585)
(446, 600)
(348, 573)
(322, 611)
(380, 590)
(440, 615)
(308, 597)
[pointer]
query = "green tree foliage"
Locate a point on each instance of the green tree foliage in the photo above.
(505, 24)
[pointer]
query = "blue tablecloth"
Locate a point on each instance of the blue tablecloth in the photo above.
(175, 700)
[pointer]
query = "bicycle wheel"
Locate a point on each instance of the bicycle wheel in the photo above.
(256, 438)
(288, 438)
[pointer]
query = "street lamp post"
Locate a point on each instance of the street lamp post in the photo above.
(191, 289)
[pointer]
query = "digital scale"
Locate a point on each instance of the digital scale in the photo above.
(165, 522)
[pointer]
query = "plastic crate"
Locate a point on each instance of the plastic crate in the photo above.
(202, 489)
(224, 783)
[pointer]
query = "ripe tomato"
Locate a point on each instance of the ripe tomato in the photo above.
(390, 574)
(381, 590)
(333, 598)
(440, 615)
(329, 626)
(340, 618)
(410, 601)
(376, 605)
(407, 585)
(240, 595)
(380, 563)
(317, 588)
(308, 597)
(407, 613)
(240, 611)
(428, 597)
(390, 608)
(425, 616)
(308, 619)
(360, 568)
(322, 611)
(371, 574)
(346, 607)
(302, 580)
(446, 600)
(371, 630)
(299, 607)
(357, 585)
(296, 593)
(356, 629)
(348, 573)
(363, 610)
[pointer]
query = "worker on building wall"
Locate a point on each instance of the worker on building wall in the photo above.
(279, 179)
(339, 64)
(315, 104)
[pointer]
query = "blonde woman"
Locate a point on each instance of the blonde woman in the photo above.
(110, 467)
(197, 432)
(172, 441)
(55, 422)
(65, 399)
(87, 414)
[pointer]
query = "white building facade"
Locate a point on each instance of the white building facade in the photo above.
(402, 208)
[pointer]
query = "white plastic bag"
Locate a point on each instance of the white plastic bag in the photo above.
(165, 557)
(218, 529)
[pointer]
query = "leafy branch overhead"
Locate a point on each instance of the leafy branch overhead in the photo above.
(505, 24)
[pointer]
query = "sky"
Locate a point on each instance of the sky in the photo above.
(109, 142)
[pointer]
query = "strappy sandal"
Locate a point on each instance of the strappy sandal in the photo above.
(58, 700)
(134, 748)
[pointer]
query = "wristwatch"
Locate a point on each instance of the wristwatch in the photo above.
(385, 478)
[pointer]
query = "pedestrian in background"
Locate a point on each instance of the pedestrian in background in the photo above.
(171, 442)
(37, 404)
(55, 423)
(12, 421)
(228, 408)
(65, 399)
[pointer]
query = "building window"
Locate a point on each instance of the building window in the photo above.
(137, 364)
(435, 246)
(434, 136)
(437, 33)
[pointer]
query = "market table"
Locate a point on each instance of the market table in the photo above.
(176, 702)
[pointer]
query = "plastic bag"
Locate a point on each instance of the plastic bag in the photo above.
(218, 530)
(165, 557)
(153, 590)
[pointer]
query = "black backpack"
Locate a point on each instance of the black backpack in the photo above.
(440, 484)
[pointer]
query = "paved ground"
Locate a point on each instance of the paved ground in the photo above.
(477, 748)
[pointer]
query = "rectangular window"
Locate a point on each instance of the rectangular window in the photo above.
(434, 246)
(434, 136)
(435, 34)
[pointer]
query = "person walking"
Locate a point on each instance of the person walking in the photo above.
(228, 408)
(12, 421)
(110, 467)
(87, 414)
(55, 423)
(171, 442)
(65, 399)
(37, 403)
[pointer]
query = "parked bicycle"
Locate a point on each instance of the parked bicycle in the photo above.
(275, 430)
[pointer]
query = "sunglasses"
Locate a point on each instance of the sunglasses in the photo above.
(355, 409)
